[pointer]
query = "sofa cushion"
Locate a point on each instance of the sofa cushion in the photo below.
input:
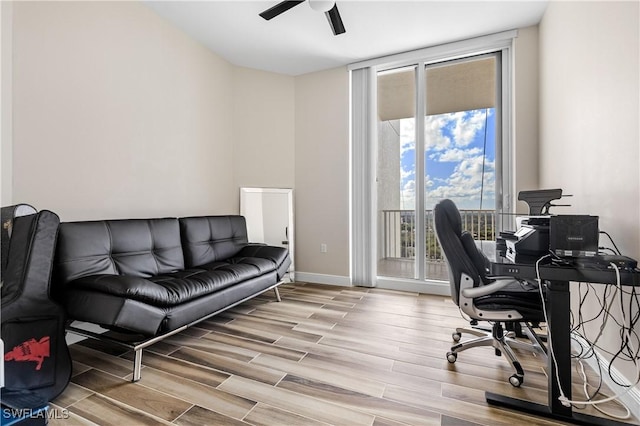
(207, 239)
(114, 312)
(194, 310)
(169, 289)
(134, 247)
(122, 313)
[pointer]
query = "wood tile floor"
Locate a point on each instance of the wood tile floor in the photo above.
(325, 355)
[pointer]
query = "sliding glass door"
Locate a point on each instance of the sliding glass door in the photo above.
(437, 137)
(426, 125)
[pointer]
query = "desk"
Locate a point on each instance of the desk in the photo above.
(557, 280)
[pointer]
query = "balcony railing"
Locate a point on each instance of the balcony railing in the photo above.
(399, 231)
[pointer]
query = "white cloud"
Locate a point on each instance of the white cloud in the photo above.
(467, 125)
(463, 126)
(434, 138)
(406, 174)
(407, 135)
(456, 154)
(408, 196)
(465, 184)
(428, 182)
(447, 139)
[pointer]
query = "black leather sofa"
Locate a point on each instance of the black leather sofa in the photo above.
(146, 279)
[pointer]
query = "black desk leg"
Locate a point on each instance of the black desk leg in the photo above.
(558, 312)
(559, 326)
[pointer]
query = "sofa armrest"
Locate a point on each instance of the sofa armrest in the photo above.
(278, 255)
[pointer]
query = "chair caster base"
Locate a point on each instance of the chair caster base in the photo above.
(516, 380)
(452, 357)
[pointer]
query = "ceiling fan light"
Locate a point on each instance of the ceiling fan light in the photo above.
(322, 5)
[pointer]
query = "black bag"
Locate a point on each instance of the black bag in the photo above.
(8, 214)
(37, 364)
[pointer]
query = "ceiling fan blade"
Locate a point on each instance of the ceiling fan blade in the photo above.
(279, 8)
(335, 20)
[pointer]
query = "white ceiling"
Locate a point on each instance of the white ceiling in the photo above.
(300, 40)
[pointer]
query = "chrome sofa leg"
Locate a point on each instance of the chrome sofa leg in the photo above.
(137, 365)
(277, 294)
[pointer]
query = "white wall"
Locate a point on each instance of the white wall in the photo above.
(525, 153)
(322, 172)
(589, 120)
(263, 130)
(6, 148)
(118, 114)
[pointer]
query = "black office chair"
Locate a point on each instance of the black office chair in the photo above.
(499, 301)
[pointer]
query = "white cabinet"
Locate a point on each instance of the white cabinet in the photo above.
(269, 215)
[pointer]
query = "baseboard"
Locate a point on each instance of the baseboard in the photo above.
(629, 397)
(310, 277)
(425, 287)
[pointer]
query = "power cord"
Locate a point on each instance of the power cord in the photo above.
(563, 399)
(566, 402)
(628, 335)
(617, 251)
(586, 384)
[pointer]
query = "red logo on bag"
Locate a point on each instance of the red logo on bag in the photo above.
(30, 350)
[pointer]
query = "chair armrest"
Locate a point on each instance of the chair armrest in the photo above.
(484, 290)
(504, 277)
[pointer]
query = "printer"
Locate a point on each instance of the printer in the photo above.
(566, 236)
(531, 239)
(529, 242)
(541, 233)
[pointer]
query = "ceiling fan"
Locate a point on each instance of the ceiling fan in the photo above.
(329, 7)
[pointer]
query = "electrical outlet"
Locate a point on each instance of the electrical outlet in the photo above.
(323, 248)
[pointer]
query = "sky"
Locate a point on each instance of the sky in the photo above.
(454, 144)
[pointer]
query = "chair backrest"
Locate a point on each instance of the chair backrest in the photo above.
(458, 247)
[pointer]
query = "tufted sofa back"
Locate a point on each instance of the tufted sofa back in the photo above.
(145, 247)
(207, 239)
(135, 247)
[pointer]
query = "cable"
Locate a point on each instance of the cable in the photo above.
(607, 248)
(626, 351)
(612, 242)
(393, 128)
(563, 398)
(586, 394)
(627, 342)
